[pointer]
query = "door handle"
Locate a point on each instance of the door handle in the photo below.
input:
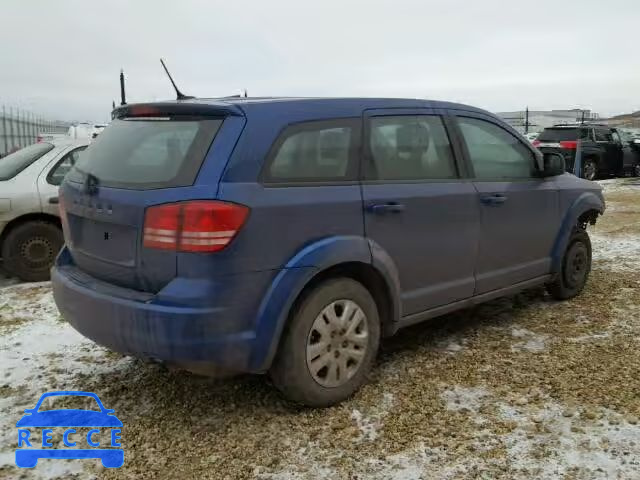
(493, 199)
(383, 208)
(54, 200)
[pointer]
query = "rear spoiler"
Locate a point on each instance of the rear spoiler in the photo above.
(177, 108)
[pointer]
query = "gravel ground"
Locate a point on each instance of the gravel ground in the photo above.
(523, 387)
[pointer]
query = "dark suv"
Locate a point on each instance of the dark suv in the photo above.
(605, 151)
(289, 235)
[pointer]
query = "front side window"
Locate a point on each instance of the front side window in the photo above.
(61, 169)
(315, 152)
(616, 137)
(494, 152)
(410, 147)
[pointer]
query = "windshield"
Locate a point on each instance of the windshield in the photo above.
(14, 163)
(563, 134)
(147, 153)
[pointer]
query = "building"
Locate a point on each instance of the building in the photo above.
(540, 119)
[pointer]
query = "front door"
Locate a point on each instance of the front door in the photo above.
(418, 209)
(520, 214)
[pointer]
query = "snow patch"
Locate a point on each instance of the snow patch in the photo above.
(531, 341)
(369, 425)
(464, 398)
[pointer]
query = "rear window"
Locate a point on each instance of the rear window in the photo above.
(14, 163)
(564, 134)
(147, 153)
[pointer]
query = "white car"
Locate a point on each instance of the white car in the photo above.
(30, 233)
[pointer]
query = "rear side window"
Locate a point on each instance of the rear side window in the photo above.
(494, 152)
(321, 151)
(410, 147)
(147, 153)
(14, 163)
(564, 134)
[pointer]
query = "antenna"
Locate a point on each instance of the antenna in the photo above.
(123, 98)
(179, 94)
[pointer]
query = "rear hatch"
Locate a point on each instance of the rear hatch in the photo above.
(562, 140)
(140, 160)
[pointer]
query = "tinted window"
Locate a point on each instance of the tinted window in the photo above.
(494, 152)
(61, 169)
(564, 134)
(145, 153)
(410, 148)
(603, 135)
(14, 163)
(315, 151)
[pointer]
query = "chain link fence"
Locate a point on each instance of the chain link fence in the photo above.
(19, 128)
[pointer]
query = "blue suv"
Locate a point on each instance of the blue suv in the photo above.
(289, 235)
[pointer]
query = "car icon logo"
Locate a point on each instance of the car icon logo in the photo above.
(72, 421)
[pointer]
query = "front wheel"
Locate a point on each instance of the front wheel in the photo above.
(330, 344)
(575, 268)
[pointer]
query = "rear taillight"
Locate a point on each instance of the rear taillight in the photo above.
(569, 144)
(193, 226)
(535, 143)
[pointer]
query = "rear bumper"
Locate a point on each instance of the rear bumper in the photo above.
(140, 324)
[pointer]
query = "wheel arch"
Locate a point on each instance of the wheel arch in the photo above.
(583, 211)
(349, 257)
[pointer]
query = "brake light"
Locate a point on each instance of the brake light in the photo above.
(535, 143)
(193, 226)
(569, 144)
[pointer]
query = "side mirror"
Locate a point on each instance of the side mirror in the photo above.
(553, 165)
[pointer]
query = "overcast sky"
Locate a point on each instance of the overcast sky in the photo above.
(62, 58)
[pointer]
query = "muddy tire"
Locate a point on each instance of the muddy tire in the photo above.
(329, 345)
(29, 250)
(575, 268)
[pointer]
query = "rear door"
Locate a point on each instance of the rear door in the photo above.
(135, 163)
(519, 212)
(52, 175)
(418, 208)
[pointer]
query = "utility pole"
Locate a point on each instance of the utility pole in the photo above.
(526, 120)
(582, 118)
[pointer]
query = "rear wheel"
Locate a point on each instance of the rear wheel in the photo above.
(28, 251)
(590, 169)
(576, 265)
(330, 344)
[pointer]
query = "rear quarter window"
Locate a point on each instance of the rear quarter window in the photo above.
(147, 153)
(319, 151)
